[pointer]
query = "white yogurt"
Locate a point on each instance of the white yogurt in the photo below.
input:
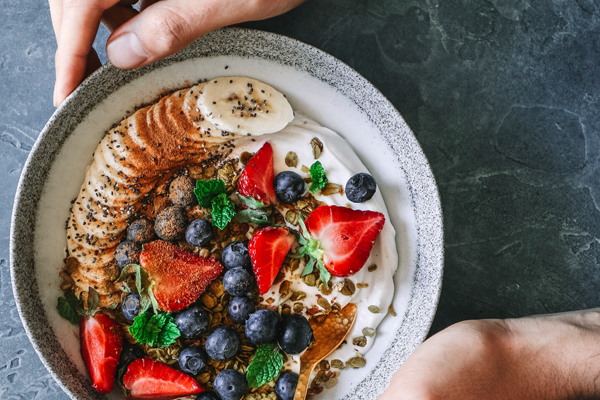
(340, 163)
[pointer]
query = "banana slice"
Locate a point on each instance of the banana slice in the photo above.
(244, 106)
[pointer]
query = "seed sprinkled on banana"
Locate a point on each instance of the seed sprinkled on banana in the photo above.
(245, 106)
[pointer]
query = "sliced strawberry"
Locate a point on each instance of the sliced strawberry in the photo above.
(101, 345)
(149, 379)
(256, 179)
(345, 235)
(267, 249)
(179, 277)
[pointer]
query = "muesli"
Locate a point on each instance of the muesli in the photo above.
(211, 229)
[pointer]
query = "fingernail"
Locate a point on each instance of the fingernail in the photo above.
(55, 98)
(126, 51)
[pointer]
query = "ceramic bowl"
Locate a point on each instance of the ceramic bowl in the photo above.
(315, 83)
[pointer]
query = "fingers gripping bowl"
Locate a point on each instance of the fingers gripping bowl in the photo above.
(405, 181)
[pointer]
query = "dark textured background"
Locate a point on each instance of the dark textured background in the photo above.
(502, 94)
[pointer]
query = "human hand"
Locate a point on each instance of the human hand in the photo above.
(161, 28)
(546, 357)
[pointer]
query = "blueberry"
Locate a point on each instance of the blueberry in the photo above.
(237, 282)
(131, 306)
(285, 387)
(360, 188)
(295, 334)
(208, 396)
(261, 326)
(129, 354)
(171, 223)
(289, 186)
(192, 322)
(199, 233)
(181, 191)
(127, 253)
(240, 309)
(235, 255)
(192, 359)
(222, 343)
(230, 385)
(141, 231)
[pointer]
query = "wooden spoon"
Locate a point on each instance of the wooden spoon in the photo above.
(329, 334)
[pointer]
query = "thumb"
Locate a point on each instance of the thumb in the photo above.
(170, 25)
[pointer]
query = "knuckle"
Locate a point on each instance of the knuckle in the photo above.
(169, 31)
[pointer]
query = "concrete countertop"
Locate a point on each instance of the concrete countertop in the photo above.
(502, 95)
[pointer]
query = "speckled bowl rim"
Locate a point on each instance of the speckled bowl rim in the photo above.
(426, 287)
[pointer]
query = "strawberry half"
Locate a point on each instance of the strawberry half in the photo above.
(346, 236)
(149, 379)
(179, 277)
(268, 248)
(256, 179)
(101, 345)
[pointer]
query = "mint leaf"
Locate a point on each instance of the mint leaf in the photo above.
(168, 333)
(138, 329)
(251, 202)
(223, 210)
(157, 329)
(265, 365)
(317, 174)
(67, 307)
(206, 191)
(250, 215)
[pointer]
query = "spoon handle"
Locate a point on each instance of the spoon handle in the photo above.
(303, 378)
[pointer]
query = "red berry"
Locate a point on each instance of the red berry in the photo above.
(345, 235)
(149, 379)
(268, 248)
(256, 179)
(179, 277)
(101, 345)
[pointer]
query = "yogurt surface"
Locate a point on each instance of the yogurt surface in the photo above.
(340, 162)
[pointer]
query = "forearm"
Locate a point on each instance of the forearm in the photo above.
(554, 357)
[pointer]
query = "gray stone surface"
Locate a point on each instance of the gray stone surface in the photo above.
(503, 96)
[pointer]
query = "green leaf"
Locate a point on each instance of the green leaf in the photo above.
(138, 328)
(223, 210)
(255, 216)
(157, 329)
(92, 303)
(251, 202)
(317, 175)
(303, 227)
(67, 307)
(325, 274)
(169, 333)
(308, 268)
(155, 306)
(206, 191)
(265, 365)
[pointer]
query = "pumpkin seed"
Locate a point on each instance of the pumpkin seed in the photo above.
(309, 280)
(291, 159)
(348, 289)
(324, 304)
(362, 285)
(317, 147)
(369, 332)
(356, 362)
(359, 341)
(374, 309)
(339, 364)
(392, 311)
(372, 268)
